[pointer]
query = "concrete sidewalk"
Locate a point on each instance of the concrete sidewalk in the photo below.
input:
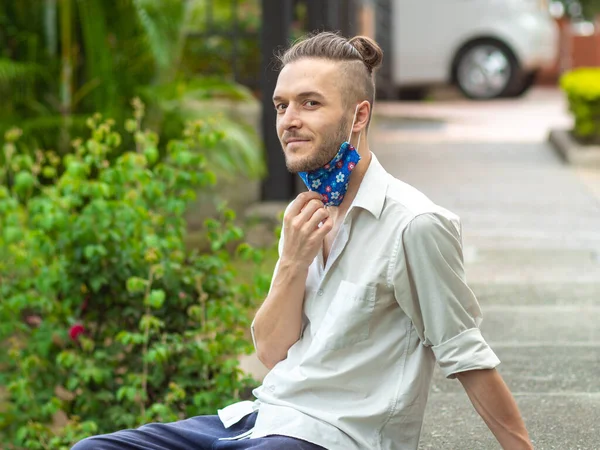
(532, 253)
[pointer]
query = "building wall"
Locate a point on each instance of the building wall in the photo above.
(576, 50)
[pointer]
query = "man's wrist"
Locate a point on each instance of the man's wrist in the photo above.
(293, 265)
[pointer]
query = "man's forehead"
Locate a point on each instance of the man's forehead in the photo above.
(308, 75)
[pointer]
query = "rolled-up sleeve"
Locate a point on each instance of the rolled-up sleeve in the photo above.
(431, 288)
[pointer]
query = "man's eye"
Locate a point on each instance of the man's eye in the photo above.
(280, 107)
(311, 103)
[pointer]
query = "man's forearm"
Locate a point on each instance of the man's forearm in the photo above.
(278, 322)
(495, 404)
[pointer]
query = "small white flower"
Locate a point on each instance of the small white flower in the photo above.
(335, 195)
(316, 184)
(340, 177)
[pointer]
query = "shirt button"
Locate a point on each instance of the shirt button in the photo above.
(320, 292)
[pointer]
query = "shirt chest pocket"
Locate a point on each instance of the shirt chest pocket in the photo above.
(348, 317)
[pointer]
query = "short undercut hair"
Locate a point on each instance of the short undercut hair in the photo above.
(360, 56)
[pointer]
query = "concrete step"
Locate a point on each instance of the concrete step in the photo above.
(532, 265)
(548, 369)
(528, 325)
(519, 294)
(554, 422)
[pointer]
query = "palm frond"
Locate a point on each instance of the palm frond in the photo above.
(43, 131)
(13, 71)
(161, 22)
(240, 152)
(170, 95)
(98, 57)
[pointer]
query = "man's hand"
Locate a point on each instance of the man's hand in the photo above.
(303, 235)
(495, 404)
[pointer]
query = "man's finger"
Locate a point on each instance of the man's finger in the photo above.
(301, 201)
(325, 228)
(320, 215)
(309, 209)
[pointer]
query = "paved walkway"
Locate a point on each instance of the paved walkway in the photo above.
(532, 251)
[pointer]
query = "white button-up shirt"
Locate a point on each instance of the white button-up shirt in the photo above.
(391, 301)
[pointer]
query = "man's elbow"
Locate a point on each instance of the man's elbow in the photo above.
(268, 359)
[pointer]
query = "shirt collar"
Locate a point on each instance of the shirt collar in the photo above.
(373, 189)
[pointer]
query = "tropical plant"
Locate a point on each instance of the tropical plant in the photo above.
(106, 318)
(61, 60)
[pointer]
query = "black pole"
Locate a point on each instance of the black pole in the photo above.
(317, 15)
(383, 36)
(348, 18)
(332, 15)
(276, 18)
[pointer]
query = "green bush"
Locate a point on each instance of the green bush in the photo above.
(582, 87)
(106, 319)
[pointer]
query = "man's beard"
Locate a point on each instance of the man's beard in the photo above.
(324, 153)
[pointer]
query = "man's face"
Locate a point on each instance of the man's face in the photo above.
(311, 120)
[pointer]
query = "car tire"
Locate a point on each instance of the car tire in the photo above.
(527, 82)
(413, 93)
(487, 69)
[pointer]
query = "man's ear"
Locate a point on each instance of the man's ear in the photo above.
(364, 112)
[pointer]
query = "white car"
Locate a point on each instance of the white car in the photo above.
(488, 48)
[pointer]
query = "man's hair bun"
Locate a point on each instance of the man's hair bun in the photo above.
(369, 50)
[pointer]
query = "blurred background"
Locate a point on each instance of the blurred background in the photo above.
(142, 185)
(63, 60)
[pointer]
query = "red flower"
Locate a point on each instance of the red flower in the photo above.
(325, 198)
(351, 166)
(339, 164)
(328, 188)
(326, 166)
(75, 331)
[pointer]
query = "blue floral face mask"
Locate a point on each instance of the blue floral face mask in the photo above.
(331, 180)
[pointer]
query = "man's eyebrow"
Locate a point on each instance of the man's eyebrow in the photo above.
(307, 94)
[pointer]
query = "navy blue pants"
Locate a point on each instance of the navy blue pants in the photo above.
(196, 433)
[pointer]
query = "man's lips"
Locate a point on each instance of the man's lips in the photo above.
(295, 140)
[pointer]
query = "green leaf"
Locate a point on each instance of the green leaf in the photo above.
(97, 282)
(66, 359)
(156, 298)
(151, 322)
(126, 392)
(151, 153)
(126, 338)
(24, 182)
(136, 285)
(49, 172)
(12, 234)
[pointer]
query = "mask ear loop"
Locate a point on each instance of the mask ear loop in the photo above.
(352, 127)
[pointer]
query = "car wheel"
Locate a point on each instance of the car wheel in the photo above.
(526, 84)
(486, 70)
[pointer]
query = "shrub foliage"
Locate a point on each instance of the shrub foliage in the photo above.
(106, 319)
(582, 87)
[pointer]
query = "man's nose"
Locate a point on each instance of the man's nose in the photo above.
(290, 118)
